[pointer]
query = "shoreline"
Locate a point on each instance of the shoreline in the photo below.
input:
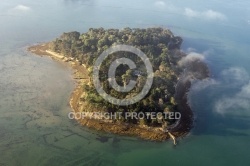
(80, 75)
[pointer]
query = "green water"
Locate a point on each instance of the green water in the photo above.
(34, 91)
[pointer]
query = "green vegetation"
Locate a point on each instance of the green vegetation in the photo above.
(159, 44)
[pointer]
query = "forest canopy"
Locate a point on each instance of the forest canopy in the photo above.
(162, 49)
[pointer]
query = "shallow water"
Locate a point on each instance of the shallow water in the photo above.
(34, 127)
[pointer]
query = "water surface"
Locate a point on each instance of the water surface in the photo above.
(34, 128)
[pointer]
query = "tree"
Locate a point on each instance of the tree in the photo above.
(155, 42)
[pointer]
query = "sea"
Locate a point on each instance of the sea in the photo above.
(34, 91)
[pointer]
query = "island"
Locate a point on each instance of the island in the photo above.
(167, 94)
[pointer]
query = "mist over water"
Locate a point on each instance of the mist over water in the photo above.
(34, 127)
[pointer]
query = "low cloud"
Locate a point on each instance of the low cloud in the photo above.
(21, 8)
(213, 15)
(191, 13)
(166, 5)
(235, 75)
(208, 14)
(234, 78)
(191, 57)
(203, 84)
(160, 4)
(192, 72)
(240, 100)
(190, 50)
